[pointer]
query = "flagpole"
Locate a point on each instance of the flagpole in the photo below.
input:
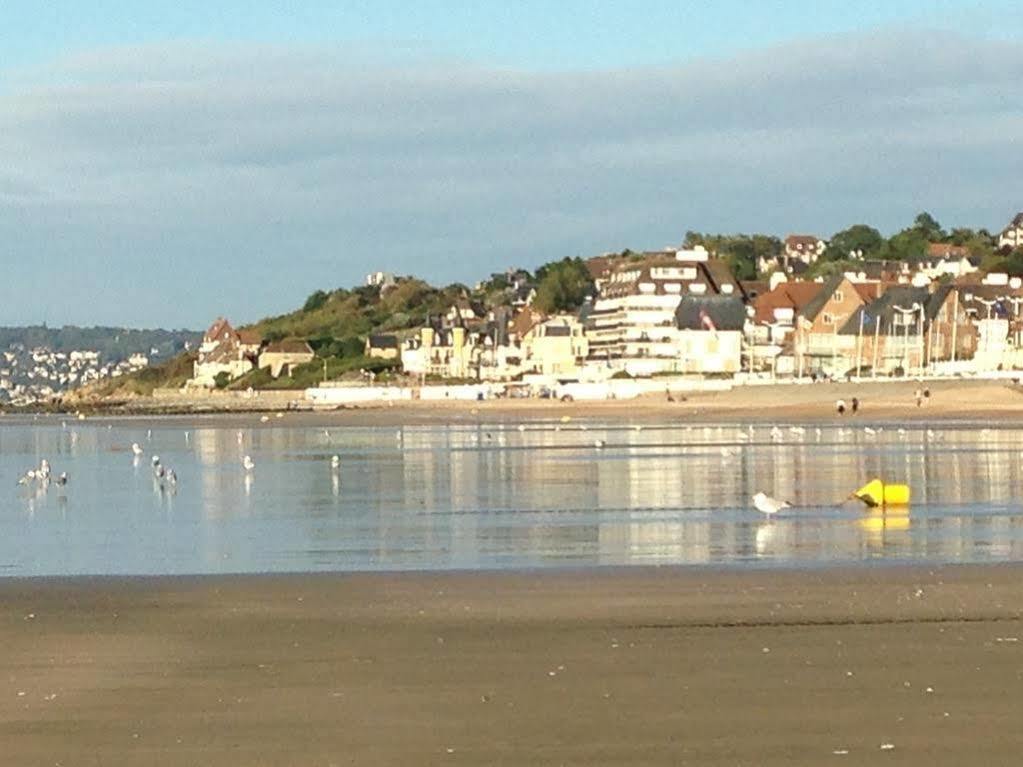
(877, 333)
(859, 344)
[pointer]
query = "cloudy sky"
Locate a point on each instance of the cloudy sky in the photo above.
(163, 167)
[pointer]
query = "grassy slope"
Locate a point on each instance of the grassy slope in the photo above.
(336, 329)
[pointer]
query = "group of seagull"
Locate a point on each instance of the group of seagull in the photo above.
(43, 476)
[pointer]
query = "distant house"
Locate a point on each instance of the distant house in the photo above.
(804, 247)
(380, 280)
(281, 357)
(1012, 236)
(225, 350)
(383, 347)
(799, 252)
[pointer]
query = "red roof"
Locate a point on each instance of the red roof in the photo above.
(787, 295)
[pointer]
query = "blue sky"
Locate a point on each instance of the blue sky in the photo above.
(168, 163)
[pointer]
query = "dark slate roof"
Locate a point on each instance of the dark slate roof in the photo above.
(383, 342)
(884, 307)
(726, 312)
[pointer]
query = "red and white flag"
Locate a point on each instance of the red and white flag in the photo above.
(707, 322)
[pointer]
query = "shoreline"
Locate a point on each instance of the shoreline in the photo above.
(888, 402)
(633, 666)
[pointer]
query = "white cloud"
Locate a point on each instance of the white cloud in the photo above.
(278, 171)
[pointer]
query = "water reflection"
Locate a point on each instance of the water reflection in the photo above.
(492, 495)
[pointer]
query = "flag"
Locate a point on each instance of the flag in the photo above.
(707, 322)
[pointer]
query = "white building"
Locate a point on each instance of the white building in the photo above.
(1012, 236)
(632, 326)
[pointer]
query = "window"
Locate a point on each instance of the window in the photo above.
(829, 319)
(839, 296)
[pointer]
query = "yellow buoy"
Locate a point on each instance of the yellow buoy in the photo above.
(877, 493)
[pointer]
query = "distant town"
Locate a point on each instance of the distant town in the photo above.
(923, 302)
(37, 364)
(735, 308)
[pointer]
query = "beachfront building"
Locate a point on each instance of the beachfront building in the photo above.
(710, 333)
(631, 326)
(907, 329)
(227, 351)
(818, 345)
(281, 357)
(995, 310)
(383, 347)
(555, 346)
(444, 352)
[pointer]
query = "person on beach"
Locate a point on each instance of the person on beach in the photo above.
(840, 407)
(855, 405)
(919, 397)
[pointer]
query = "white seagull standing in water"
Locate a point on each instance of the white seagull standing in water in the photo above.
(768, 505)
(136, 449)
(248, 463)
(335, 462)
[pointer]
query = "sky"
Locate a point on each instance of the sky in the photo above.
(165, 165)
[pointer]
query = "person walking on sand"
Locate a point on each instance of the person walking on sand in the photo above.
(840, 407)
(919, 397)
(855, 405)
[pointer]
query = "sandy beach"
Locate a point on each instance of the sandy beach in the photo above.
(881, 402)
(922, 666)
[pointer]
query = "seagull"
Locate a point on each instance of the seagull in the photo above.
(265, 419)
(775, 432)
(868, 431)
(797, 430)
(158, 471)
(522, 427)
(29, 476)
(599, 444)
(172, 478)
(769, 505)
(44, 470)
(335, 462)
(136, 448)
(247, 463)
(62, 479)
(156, 461)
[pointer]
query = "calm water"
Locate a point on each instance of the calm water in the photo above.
(496, 496)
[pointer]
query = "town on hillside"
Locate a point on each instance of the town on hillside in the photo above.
(924, 302)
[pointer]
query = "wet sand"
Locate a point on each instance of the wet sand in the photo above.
(607, 667)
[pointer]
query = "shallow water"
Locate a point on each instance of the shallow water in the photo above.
(540, 494)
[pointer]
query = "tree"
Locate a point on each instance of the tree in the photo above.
(928, 226)
(562, 286)
(860, 240)
(222, 379)
(741, 258)
(909, 245)
(315, 301)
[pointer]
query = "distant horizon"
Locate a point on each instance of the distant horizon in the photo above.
(177, 162)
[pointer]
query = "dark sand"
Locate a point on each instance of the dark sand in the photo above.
(628, 667)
